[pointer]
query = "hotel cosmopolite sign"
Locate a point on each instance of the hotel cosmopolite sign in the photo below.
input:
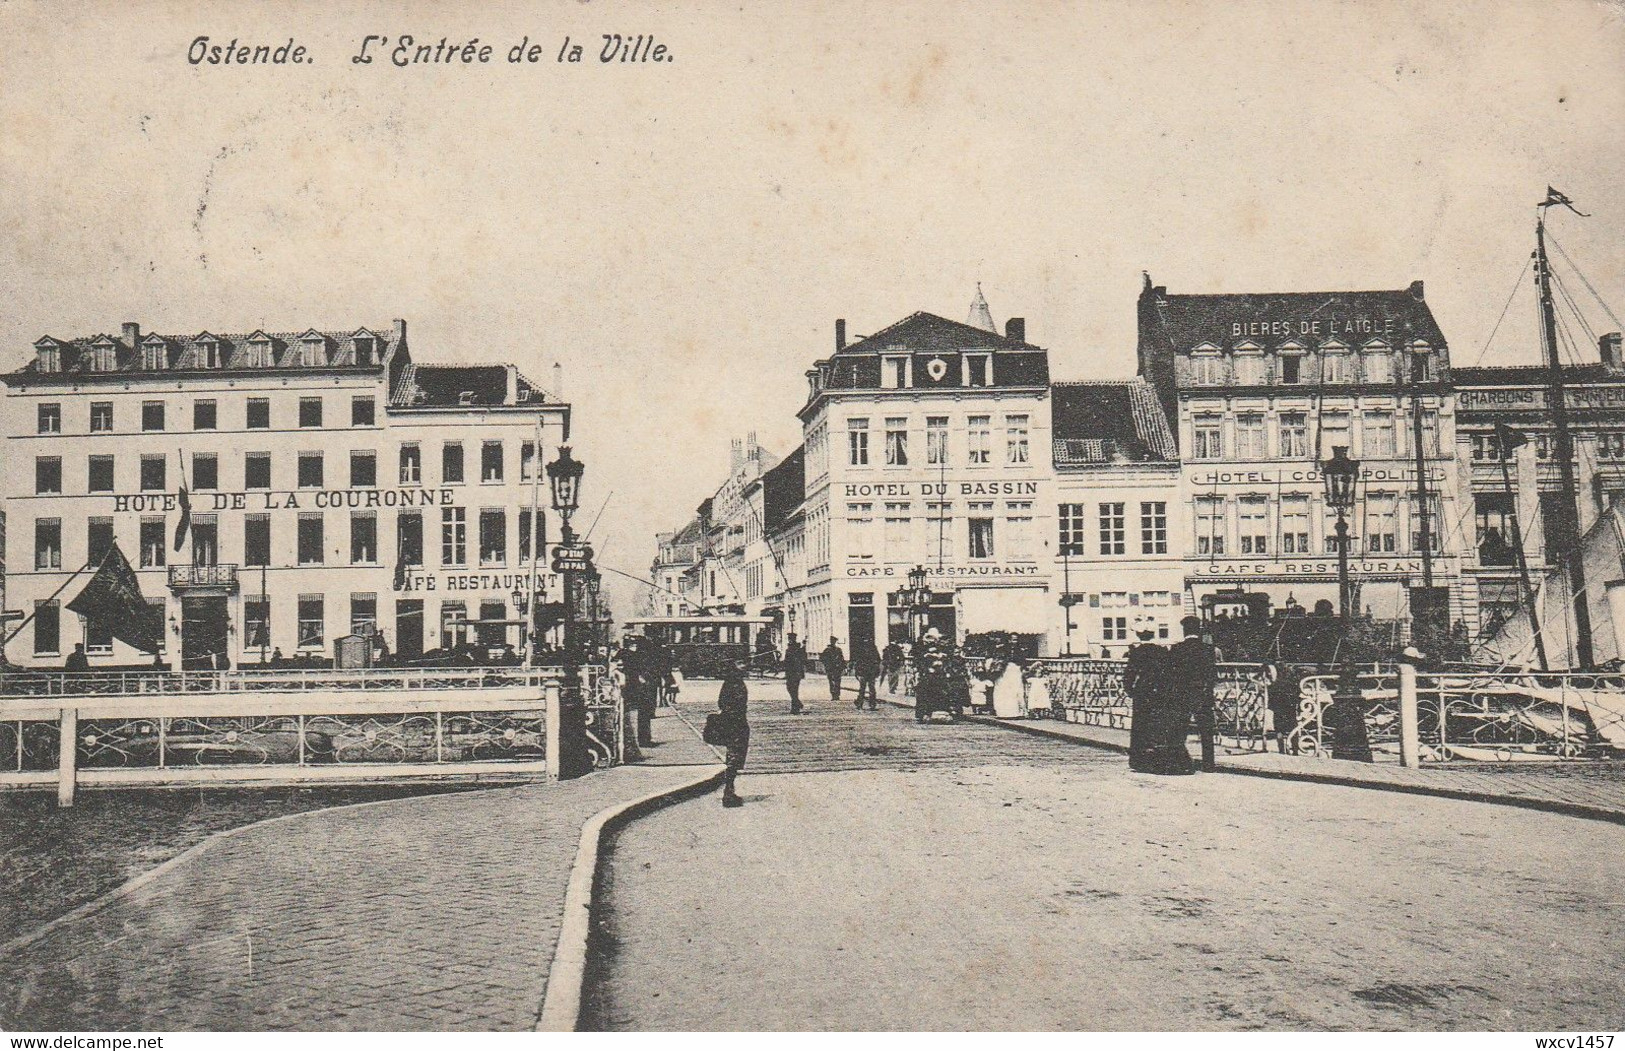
(1208, 478)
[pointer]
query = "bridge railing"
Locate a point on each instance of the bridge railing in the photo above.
(154, 682)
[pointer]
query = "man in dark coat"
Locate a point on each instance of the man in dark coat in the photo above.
(1194, 667)
(1145, 680)
(866, 667)
(834, 667)
(891, 664)
(795, 669)
(730, 729)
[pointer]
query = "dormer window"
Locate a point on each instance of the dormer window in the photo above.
(1207, 367)
(1292, 362)
(977, 370)
(313, 349)
(1376, 362)
(103, 356)
(153, 357)
(50, 357)
(1249, 364)
(1421, 362)
(366, 349)
(208, 354)
(1334, 363)
(896, 371)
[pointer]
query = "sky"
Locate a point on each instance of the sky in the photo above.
(680, 237)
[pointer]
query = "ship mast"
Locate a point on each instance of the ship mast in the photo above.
(1568, 531)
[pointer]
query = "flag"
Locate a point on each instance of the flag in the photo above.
(1508, 439)
(113, 600)
(400, 560)
(1557, 197)
(185, 523)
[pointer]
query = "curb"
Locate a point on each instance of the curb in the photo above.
(566, 978)
(1550, 806)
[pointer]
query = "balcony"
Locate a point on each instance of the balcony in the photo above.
(219, 575)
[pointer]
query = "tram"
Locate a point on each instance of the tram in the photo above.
(705, 645)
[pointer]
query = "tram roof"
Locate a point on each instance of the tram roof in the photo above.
(721, 618)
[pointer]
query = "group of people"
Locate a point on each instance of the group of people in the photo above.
(647, 676)
(1169, 687)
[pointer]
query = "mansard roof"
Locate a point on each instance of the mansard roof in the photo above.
(183, 352)
(1179, 323)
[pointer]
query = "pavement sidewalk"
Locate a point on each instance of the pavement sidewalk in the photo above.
(1591, 789)
(434, 912)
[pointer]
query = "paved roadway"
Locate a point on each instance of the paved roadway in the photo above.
(889, 876)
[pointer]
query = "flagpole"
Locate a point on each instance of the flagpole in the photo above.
(63, 587)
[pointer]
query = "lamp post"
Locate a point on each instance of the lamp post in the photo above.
(1349, 740)
(917, 597)
(564, 481)
(570, 560)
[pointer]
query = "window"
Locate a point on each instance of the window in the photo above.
(362, 413)
(1496, 531)
(1251, 444)
(1209, 434)
(205, 540)
(98, 636)
(209, 353)
(154, 356)
(101, 474)
(409, 538)
(1207, 369)
(453, 536)
(259, 414)
(1334, 366)
(1559, 532)
(310, 539)
(1153, 527)
(310, 412)
(1430, 433)
(939, 520)
(1255, 525)
(896, 441)
(1435, 523)
(364, 614)
(153, 473)
(310, 470)
(50, 359)
(152, 543)
(1610, 446)
(50, 417)
(527, 461)
(256, 470)
(980, 438)
(491, 462)
(1377, 365)
(48, 543)
(363, 538)
(980, 532)
(1112, 529)
(493, 537)
(1018, 530)
(101, 417)
(205, 471)
(860, 522)
(1421, 363)
(203, 415)
(936, 440)
(1381, 523)
(894, 371)
(1294, 525)
(152, 415)
(857, 442)
(1114, 629)
(47, 474)
(1291, 368)
(257, 540)
(1071, 518)
(451, 463)
(539, 535)
(1379, 434)
(1330, 533)
(1211, 525)
(47, 629)
(1334, 433)
(1486, 447)
(1015, 434)
(363, 469)
(312, 622)
(98, 540)
(1294, 435)
(899, 530)
(978, 370)
(411, 465)
(257, 623)
(1249, 368)
(365, 348)
(453, 624)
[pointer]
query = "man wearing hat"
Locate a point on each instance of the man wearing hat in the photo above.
(1145, 680)
(1193, 674)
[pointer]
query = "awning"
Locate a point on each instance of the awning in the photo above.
(1023, 611)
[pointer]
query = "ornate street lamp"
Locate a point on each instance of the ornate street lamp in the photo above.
(917, 598)
(564, 478)
(1349, 740)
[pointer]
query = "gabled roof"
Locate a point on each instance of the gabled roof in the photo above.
(1109, 421)
(440, 386)
(925, 333)
(784, 487)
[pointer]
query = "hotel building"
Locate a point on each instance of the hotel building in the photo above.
(335, 488)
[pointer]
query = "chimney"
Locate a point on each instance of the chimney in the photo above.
(840, 334)
(750, 446)
(1016, 329)
(132, 334)
(558, 382)
(736, 458)
(1416, 290)
(512, 397)
(400, 333)
(1612, 359)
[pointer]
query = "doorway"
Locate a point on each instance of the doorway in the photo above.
(204, 627)
(860, 621)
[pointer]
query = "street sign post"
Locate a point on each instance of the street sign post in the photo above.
(571, 565)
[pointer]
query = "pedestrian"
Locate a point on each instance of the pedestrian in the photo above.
(1282, 690)
(729, 728)
(1194, 672)
(77, 660)
(1145, 680)
(891, 663)
(866, 668)
(935, 676)
(834, 667)
(795, 669)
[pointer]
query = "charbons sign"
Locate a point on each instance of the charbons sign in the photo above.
(1535, 398)
(273, 501)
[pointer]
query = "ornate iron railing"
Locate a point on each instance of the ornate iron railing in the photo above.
(154, 683)
(212, 575)
(605, 716)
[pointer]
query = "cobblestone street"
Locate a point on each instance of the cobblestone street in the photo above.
(945, 879)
